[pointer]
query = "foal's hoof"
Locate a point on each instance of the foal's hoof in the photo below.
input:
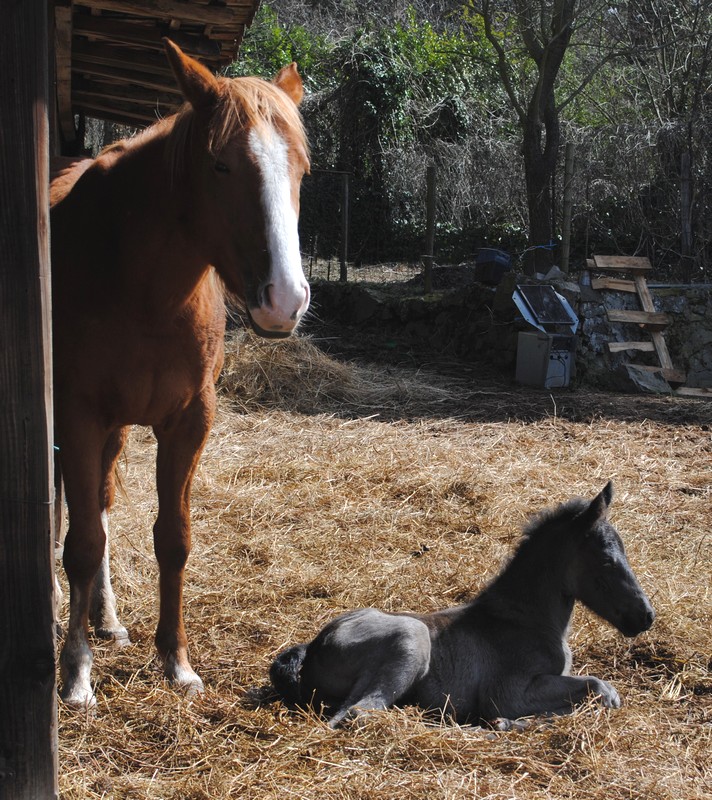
(606, 694)
(504, 724)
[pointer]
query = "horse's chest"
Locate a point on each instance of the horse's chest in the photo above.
(138, 373)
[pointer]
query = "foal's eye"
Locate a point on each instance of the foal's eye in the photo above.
(221, 167)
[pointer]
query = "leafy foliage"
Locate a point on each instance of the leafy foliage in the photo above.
(392, 88)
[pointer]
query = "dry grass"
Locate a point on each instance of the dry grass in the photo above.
(311, 504)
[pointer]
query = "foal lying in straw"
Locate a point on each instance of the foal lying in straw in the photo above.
(501, 656)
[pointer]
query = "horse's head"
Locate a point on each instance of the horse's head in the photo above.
(601, 577)
(243, 147)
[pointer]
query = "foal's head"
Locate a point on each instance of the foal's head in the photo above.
(599, 574)
(241, 145)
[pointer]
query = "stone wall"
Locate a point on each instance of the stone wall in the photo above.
(463, 319)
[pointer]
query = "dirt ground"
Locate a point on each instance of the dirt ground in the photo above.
(329, 485)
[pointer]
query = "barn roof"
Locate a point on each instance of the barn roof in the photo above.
(109, 53)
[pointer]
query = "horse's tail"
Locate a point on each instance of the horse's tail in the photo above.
(284, 673)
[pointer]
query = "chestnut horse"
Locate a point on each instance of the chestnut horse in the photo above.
(139, 318)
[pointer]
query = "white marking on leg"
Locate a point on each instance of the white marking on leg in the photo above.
(289, 291)
(103, 603)
(182, 676)
(76, 662)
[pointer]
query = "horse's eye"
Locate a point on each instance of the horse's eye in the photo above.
(221, 167)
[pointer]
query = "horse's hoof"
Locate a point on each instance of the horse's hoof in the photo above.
(79, 698)
(193, 689)
(184, 679)
(120, 636)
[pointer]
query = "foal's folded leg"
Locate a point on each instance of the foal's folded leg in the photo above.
(558, 694)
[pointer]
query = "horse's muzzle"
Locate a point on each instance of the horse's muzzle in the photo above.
(265, 334)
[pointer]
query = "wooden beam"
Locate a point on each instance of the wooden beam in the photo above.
(149, 36)
(121, 57)
(87, 92)
(63, 67)
(119, 76)
(646, 319)
(613, 285)
(123, 115)
(28, 699)
(622, 263)
(619, 347)
(233, 14)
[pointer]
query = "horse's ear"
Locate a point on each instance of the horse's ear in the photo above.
(198, 84)
(598, 508)
(290, 81)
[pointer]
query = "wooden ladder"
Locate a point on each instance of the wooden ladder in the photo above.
(648, 319)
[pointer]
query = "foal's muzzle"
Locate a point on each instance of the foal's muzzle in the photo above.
(633, 624)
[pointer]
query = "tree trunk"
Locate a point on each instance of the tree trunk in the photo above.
(540, 149)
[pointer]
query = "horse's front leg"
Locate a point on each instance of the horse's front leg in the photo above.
(80, 452)
(180, 444)
(102, 610)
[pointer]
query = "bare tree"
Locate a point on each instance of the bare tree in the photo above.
(530, 40)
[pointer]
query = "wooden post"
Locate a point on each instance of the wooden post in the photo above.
(430, 178)
(686, 216)
(568, 206)
(28, 706)
(343, 276)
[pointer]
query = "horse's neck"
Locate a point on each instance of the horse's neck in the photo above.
(161, 258)
(531, 590)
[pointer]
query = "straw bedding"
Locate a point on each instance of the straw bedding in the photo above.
(327, 486)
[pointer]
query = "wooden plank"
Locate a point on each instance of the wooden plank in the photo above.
(661, 349)
(149, 36)
(646, 301)
(613, 284)
(619, 347)
(87, 91)
(28, 704)
(694, 391)
(130, 76)
(174, 9)
(121, 57)
(124, 116)
(622, 263)
(646, 319)
(670, 375)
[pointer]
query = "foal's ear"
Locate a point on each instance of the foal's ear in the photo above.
(198, 84)
(290, 81)
(598, 509)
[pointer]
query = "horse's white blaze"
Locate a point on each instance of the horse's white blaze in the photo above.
(288, 294)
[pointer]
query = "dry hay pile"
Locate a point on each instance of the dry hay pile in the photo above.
(299, 515)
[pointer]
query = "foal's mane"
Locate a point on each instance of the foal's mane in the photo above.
(551, 519)
(243, 103)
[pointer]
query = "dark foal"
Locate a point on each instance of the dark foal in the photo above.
(501, 656)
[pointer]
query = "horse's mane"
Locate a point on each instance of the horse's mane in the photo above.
(552, 518)
(244, 102)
